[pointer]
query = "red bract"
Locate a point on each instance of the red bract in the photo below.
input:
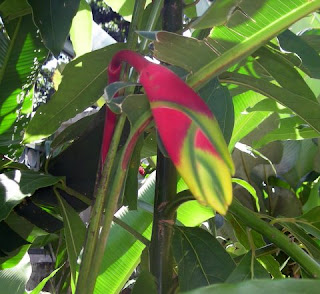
(187, 128)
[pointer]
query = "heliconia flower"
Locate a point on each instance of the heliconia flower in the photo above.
(187, 128)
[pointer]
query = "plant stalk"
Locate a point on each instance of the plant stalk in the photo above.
(251, 220)
(161, 257)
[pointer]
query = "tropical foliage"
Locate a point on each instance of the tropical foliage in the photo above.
(202, 174)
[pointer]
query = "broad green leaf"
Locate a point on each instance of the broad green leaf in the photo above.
(269, 105)
(194, 250)
(81, 29)
(309, 57)
(145, 284)
(310, 221)
(74, 232)
(291, 128)
(246, 32)
(43, 282)
(16, 185)
(217, 14)
(292, 286)
(275, 65)
(220, 103)
(11, 9)
(53, 18)
(245, 122)
(243, 271)
(306, 109)
(20, 60)
(73, 95)
(14, 280)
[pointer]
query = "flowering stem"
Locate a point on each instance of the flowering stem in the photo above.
(161, 258)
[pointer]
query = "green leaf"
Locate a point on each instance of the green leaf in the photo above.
(220, 103)
(16, 185)
(11, 9)
(43, 282)
(73, 95)
(291, 128)
(81, 29)
(306, 109)
(275, 65)
(53, 18)
(313, 199)
(74, 232)
(14, 280)
(20, 60)
(244, 270)
(217, 14)
(194, 250)
(309, 57)
(310, 221)
(292, 286)
(145, 284)
(246, 30)
(245, 122)
(311, 245)
(249, 188)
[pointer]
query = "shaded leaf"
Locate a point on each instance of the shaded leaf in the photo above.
(16, 185)
(220, 103)
(217, 14)
(53, 18)
(243, 270)
(309, 57)
(145, 284)
(14, 280)
(200, 258)
(292, 286)
(73, 95)
(11, 9)
(74, 232)
(310, 221)
(291, 128)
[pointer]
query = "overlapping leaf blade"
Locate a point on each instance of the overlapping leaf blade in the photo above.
(20, 60)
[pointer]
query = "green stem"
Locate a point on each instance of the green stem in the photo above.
(161, 257)
(152, 21)
(250, 219)
(87, 279)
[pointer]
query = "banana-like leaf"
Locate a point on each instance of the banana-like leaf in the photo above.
(53, 18)
(74, 94)
(11, 9)
(292, 286)
(247, 29)
(14, 280)
(20, 59)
